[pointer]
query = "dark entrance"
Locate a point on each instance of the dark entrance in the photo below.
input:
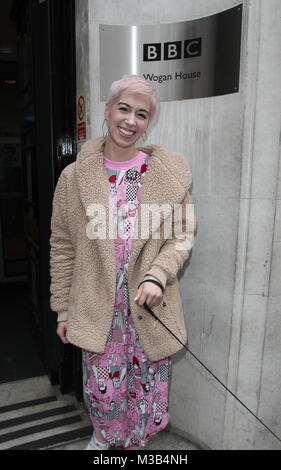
(44, 71)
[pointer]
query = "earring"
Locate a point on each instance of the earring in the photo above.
(144, 136)
(105, 134)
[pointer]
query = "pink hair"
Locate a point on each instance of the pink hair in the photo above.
(133, 84)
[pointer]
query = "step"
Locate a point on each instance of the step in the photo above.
(35, 415)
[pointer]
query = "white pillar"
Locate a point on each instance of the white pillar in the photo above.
(231, 288)
(255, 351)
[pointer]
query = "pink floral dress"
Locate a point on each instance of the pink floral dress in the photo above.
(127, 393)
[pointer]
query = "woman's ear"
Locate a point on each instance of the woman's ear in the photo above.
(106, 111)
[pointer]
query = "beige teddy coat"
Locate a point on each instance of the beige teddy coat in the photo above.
(83, 269)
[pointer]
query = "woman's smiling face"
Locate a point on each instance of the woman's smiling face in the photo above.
(128, 118)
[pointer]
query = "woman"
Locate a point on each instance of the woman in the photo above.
(107, 260)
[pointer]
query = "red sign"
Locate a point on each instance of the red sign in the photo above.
(81, 131)
(81, 118)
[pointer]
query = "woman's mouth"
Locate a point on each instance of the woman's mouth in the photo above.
(126, 132)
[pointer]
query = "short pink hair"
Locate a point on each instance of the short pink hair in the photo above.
(133, 84)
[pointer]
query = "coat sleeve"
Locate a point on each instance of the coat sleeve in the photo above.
(61, 252)
(175, 250)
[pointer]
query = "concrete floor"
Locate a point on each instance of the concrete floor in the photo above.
(34, 415)
(163, 441)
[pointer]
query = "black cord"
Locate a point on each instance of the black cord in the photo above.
(154, 282)
(210, 372)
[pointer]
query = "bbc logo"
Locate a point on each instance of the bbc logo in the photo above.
(172, 50)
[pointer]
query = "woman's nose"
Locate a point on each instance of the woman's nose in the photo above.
(130, 119)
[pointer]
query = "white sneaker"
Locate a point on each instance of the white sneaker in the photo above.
(94, 444)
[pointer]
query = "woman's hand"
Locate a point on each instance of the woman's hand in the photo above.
(150, 293)
(61, 331)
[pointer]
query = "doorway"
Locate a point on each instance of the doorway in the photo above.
(41, 76)
(19, 351)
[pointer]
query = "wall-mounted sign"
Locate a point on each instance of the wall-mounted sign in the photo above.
(190, 59)
(81, 117)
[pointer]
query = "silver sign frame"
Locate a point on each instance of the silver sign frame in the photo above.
(183, 60)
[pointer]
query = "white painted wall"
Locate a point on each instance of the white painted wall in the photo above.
(231, 288)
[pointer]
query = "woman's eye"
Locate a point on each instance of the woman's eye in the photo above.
(143, 116)
(123, 109)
